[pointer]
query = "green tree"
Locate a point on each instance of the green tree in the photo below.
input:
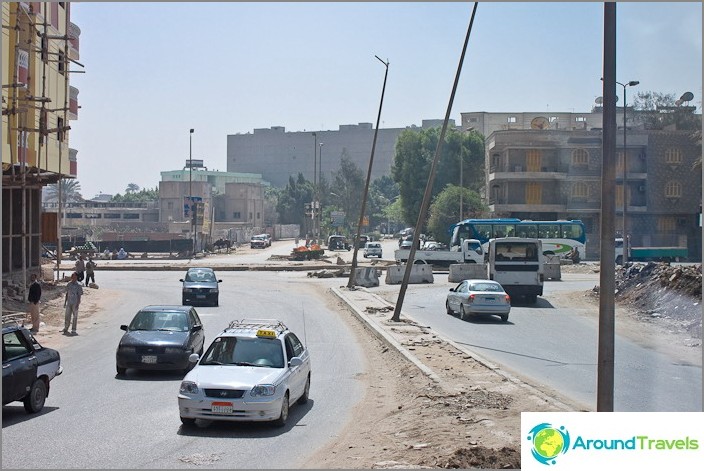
(69, 188)
(349, 187)
(661, 110)
(292, 200)
(132, 188)
(382, 192)
(462, 157)
(445, 208)
(142, 196)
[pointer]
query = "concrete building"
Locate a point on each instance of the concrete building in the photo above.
(40, 46)
(278, 155)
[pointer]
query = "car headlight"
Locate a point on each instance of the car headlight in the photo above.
(263, 390)
(188, 387)
(213, 290)
(187, 290)
(128, 349)
(173, 350)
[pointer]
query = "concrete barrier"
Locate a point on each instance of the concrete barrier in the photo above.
(551, 268)
(420, 273)
(366, 276)
(467, 271)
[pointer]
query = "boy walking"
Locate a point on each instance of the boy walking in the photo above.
(74, 291)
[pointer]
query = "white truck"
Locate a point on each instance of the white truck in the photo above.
(517, 264)
(469, 252)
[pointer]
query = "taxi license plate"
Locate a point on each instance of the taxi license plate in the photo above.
(148, 358)
(200, 296)
(221, 407)
(490, 300)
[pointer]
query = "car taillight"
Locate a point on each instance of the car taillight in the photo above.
(471, 298)
(508, 299)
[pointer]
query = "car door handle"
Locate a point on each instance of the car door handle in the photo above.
(6, 365)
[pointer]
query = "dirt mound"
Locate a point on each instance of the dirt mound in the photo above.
(482, 458)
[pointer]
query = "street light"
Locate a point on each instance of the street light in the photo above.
(626, 239)
(315, 177)
(320, 178)
(190, 190)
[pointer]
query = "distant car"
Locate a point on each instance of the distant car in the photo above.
(253, 371)
(27, 368)
(372, 249)
(200, 286)
(160, 338)
(338, 242)
(268, 239)
(483, 297)
(259, 241)
(406, 245)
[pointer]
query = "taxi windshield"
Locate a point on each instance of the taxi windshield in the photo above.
(245, 351)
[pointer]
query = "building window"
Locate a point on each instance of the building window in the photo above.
(673, 156)
(170, 205)
(111, 216)
(580, 157)
(580, 119)
(673, 189)
(236, 215)
(580, 190)
(511, 119)
(60, 132)
(552, 119)
(667, 224)
(619, 164)
(258, 216)
(61, 63)
(472, 120)
(130, 216)
(534, 192)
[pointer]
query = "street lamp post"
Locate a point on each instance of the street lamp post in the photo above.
(320, 178)
(626, 241)
(315, 178)
(190, 190)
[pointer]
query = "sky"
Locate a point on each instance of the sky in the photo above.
(153, 71)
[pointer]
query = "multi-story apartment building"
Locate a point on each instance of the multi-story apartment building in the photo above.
(278, 155)
(39, 47)
(554, 174)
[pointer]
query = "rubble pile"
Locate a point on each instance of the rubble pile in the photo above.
(662, 291)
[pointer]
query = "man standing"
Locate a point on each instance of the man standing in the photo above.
(80, 267)
(74, 291)
(35, 294)
(90, 271)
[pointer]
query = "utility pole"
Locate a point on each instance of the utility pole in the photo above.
(353, 269)
(190, 192)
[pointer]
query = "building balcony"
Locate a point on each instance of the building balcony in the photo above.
(522, 176)
(73, 162)
(73, 103)
(74, 32)
(499, 206)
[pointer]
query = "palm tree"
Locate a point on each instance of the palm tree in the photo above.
(132, 188)
(70, 191)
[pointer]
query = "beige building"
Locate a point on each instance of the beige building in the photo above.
(39, 50)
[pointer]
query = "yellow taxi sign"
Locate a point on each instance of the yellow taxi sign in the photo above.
(266, 333)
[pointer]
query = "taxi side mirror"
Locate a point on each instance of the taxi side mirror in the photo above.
(123, 327)
(295, 361)
(193, 358)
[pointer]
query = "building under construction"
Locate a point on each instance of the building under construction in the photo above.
(39, 53)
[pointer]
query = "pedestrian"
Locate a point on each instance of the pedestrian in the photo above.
(35, 294)
(80, 267)
(90, 270)
(74, 291)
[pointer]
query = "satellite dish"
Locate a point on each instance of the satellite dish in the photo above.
(599, 100)
(539, 123)
(688, 96)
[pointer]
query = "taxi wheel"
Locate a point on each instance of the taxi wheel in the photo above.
(504, 317)
(463, 314)
(188, 422)
(304, 398)
(281, 421)
(447, 308)
(34, 401)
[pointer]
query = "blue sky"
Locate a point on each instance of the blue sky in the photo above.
(155, 70)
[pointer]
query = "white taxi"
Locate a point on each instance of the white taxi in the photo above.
(253, 371)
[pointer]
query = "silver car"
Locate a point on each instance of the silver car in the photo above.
(472, 297)
(253, 371)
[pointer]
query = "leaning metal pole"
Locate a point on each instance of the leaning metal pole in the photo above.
(429, 186)
(353, 269)
(605, 369)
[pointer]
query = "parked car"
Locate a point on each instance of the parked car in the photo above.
(472, 297)
(253, 371)
(200, 285)
(372, 249)
(338, 242)
(27, 368)
(267, 237)
(406, 244)
(258, 241)
(160, 338)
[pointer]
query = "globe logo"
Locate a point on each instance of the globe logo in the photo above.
(548, 442)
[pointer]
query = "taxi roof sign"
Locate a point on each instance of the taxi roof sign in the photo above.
(266, 333)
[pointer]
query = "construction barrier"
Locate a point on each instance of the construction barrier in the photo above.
(551, 268)
(366, 276)
(420, 273)
(467, 271)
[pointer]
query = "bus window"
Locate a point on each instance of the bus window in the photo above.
(527, 230)
(504, 230)
(549, 231)
(483, 232)
(571, 231)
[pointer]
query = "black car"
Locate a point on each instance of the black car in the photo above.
(200, 286)
(27, 368)
(160, 338)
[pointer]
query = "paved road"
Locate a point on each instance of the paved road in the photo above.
(94, 420)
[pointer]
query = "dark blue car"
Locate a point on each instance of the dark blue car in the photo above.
(160, 338)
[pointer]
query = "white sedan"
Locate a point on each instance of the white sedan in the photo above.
(472, 297)
(253, 371)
